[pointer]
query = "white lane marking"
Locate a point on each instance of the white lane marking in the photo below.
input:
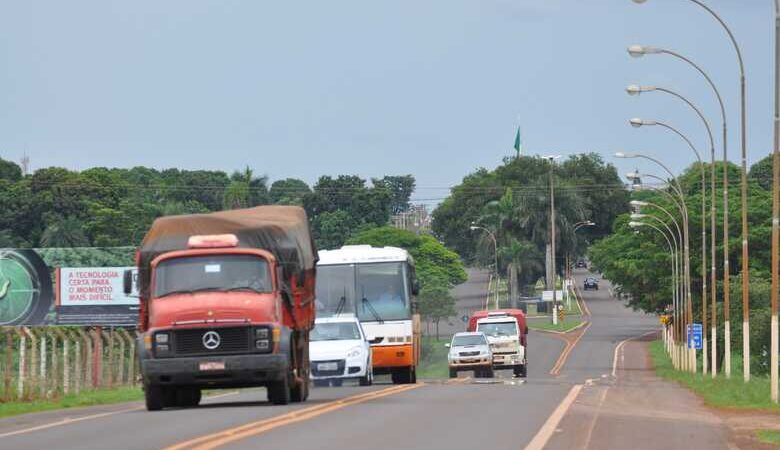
(547, 430)
(589, 436)
(71, 420)
(620, 347)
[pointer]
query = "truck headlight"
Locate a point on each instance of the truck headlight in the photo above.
(355, 352)
(262, 344)
(261, 333)
(161, 338)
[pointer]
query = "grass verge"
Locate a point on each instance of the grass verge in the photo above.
(87, 398)
(433, 359)
(562, 327)
(720, 392)
(769, 437)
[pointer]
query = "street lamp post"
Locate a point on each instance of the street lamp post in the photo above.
(638, 123)
(569, 275)
(774, 350)
(552, 238)
(745, 254)
(637, 90)
(475, 227)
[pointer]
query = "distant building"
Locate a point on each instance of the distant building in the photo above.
(415, 219)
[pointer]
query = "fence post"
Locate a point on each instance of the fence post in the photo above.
(22, 362)
(9, 363)
(97, 357)
(42, 367)
(82, 359)
(109, 336)
(122, 360)
(65, 360)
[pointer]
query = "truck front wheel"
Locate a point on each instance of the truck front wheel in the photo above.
(453, 373)
(279, 391)
(153, 394)
(521, 371)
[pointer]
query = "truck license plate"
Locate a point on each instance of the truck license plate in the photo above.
(327, 366)
(212, 365)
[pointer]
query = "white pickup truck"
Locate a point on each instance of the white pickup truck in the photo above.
(504, 335)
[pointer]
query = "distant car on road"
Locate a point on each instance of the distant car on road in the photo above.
(591, 283)
(581, 264)
(338, 351)
(470, 351)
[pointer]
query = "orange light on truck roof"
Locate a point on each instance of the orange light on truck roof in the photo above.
(213, 241)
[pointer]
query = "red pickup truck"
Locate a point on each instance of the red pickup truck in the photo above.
(227, 300)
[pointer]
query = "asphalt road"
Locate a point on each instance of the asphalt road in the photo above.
(435, 414)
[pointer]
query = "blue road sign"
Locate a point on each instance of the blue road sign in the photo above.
(695, 337)
(465, 318)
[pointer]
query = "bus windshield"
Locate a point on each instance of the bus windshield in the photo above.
(375, 292)
(382, 291)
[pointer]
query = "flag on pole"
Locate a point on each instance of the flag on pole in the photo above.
(518, 143)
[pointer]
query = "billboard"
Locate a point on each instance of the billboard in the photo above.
(95, 296)
(48, 287)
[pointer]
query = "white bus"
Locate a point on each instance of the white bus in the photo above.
(379, 286)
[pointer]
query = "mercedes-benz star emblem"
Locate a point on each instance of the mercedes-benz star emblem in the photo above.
(211, 340)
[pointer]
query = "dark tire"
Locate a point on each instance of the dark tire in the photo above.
(170, 397)
(337, 383)
(521, 371)
(153, 394)
(489, 372)
(279, 391)
(453, 373)
(413, 375)
(401, 376)
(188, 397)
(367, 380)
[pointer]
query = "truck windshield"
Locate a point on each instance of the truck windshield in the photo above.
(212, 273)
(495, 329)
(335, 332)
(462, 341)
(382, 291)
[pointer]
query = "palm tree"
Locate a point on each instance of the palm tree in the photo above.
(68, 232)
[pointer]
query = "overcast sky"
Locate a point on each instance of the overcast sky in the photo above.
(304, 88)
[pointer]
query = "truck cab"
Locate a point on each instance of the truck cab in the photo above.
(507, 338)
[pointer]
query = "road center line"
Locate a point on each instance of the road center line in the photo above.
(556, 370)
(547, 430)
(214, 440)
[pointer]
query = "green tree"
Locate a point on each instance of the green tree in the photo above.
(67, 232)
(400, 189)
(289, 191)
(436, 303)
(10, 171)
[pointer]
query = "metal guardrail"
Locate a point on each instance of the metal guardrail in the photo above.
(49, 362)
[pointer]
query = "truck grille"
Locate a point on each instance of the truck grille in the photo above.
(469, 353)
(231, 340)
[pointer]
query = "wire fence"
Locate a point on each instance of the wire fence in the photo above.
(50, 362)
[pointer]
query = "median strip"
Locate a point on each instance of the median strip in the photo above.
(229, 435)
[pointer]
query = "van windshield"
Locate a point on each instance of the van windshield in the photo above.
(212, 273)
(495, 329)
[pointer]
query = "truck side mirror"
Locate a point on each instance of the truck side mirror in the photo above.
(128, 282)
(415, 287)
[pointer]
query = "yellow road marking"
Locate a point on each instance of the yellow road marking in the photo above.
(214, 440)
(556, 370)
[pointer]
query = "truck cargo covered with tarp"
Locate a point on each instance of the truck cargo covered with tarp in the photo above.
(282, 230)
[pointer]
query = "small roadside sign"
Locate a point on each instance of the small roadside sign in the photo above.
(465, 318)
(695, 336)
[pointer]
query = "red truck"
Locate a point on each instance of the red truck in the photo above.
(227, 301)
(507, 332)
